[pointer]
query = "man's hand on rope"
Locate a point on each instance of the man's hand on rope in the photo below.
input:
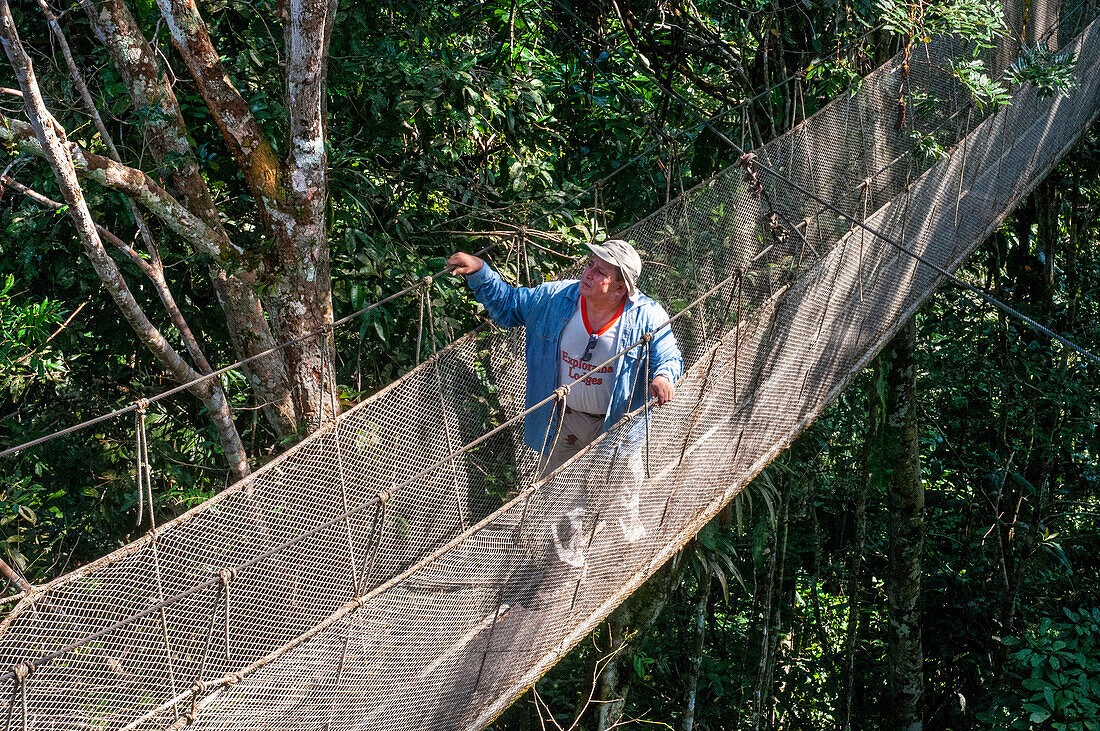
(663, 389)
(461, 263)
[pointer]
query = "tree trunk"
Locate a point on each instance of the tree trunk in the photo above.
(57, 152)
(763, 697)
(627, 627)
(166, 134)
(1020, 532)
(906, 503)
(291, 194)
(855, 558)
(304, 282)
(695, 661)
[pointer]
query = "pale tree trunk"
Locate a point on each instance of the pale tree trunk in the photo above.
(304, 283)
(57, 152)
(695, 662)
(855, 558)
(291, 194)
(627, 627)
(763, 695)
(905, 492)
(166, 135)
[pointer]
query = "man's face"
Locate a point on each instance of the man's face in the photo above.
(600, 279)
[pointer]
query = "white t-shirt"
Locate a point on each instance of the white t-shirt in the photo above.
(592, 394)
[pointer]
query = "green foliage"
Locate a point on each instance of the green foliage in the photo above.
(987, 93)
(1053, 677)
(928, 145)
(978, 20)
(1051, 72)
(24, 330)
(712, 557)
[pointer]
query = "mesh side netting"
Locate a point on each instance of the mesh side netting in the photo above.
(379, 576)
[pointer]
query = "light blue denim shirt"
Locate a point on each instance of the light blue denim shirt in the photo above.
(544, 310)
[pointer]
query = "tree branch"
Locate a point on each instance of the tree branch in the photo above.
(50, 138)
(243, 134)
(97, 119)
(130, 181)
(151, 269)
(14, 577)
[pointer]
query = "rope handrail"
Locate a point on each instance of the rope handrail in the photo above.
(343, 320)
(749, 160)
(216, 578)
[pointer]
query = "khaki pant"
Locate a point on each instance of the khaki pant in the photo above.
(578, 430)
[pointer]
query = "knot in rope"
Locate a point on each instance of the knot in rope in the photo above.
(198, 687)
(384, 496)
(234, 678)
(21, 671)
(647, 337)
(360, 602)
(746, 161)
(427, 281)
(142, 405)
(227, 575)
(521, 231)
(778, 230)
(561, 392)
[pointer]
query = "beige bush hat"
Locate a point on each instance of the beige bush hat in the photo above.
(622, 255)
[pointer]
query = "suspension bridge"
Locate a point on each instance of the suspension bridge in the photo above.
(397, 568)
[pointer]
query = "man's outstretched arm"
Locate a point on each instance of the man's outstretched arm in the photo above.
(507, 305)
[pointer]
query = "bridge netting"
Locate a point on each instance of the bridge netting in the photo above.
(405, 566)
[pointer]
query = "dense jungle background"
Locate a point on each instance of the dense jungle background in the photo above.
(533, 125)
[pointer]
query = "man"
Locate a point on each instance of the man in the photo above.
(573, 327)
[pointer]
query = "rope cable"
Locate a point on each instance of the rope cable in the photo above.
(1004, 307)
(232, 366)
(741, 106)
(1007, 309)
